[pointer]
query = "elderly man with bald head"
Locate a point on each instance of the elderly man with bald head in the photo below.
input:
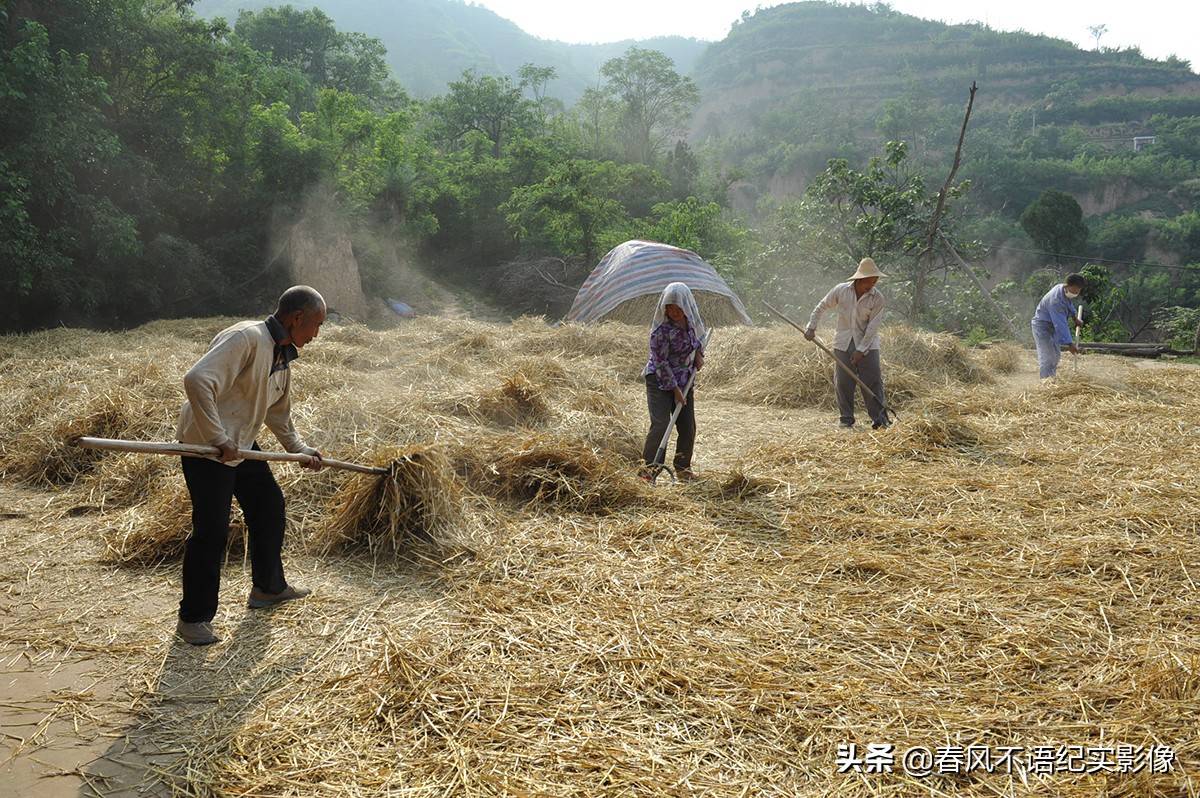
(241, 382)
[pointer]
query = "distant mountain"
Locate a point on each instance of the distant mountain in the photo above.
(431, 42)
(857, 57)
(794, 85)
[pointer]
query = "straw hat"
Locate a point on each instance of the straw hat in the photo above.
(867, 268)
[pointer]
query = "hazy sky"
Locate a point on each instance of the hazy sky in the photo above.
(1159, 27)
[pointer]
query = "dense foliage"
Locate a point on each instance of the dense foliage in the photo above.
(150, 159)
(151, 162)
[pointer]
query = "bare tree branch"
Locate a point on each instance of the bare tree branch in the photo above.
(941, 200)
(987, 295)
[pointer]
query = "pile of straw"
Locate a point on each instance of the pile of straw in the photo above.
(550, 471)
(516, 401)
(769, 366)
(933, 355)
(1002, 358)
(418, 499)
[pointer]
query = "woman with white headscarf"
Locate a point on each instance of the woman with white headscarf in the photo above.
(676, 352)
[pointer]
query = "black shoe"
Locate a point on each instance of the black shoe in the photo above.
(880, 425)
(261, 600)
(846, 424)
(198, 634)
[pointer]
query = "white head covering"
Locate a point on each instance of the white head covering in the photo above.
(679, 294)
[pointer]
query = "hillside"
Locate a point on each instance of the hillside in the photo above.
(792, 86)
(863, 56)
(431, 42)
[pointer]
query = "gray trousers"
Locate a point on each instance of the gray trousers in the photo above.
(871, 374)
(661, 404)
(1048, 350)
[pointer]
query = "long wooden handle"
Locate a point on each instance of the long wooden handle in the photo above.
(839, 363)
(1078, 324)
(198, 450)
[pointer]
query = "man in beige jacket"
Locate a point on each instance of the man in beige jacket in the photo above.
(856, 342)
(242, 382)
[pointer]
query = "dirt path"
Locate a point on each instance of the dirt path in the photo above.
(62, 681)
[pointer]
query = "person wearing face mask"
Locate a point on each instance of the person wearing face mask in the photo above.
(1052, 323)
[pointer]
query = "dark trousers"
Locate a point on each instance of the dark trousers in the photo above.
(212, 486)
(869, 371)
(661, 404)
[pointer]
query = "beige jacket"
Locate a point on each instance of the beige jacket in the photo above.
(231, 392)
(858, 317)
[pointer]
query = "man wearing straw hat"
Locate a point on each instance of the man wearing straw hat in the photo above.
(1051, 323)
(242, 382)
(856, 341)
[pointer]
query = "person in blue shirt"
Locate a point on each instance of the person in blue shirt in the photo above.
(1052, 323)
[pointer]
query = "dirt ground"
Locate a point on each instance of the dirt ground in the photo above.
(75, 698)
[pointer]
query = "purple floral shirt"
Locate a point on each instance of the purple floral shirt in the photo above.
(670, 347)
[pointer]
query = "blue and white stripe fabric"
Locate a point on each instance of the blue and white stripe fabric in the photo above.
(638, 268)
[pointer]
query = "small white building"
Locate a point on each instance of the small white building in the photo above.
(1141, 142)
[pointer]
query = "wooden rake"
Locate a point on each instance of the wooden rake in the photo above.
(886, 410)
(198, 450)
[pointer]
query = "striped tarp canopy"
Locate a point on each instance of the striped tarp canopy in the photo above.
(627, 282)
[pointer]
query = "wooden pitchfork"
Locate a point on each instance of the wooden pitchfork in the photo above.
(198, 450)
(886, 410)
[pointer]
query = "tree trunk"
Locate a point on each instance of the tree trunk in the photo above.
(987, 295)
(918, 293)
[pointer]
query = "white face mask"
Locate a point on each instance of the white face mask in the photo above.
(1071, 294)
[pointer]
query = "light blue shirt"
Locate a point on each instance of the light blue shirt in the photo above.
(1056, 310)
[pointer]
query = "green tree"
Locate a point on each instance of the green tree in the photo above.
(701, 227)
(1122, 237)
(1054, 221)
(596, 117)
(1181, 236)
(655, 100)
(403, 182)
(471, 187)
(493, 106)
(883, 211)
(54, 150)
(567, 212)
(286, 161)
(681, 169)
(1179, 136)
(909, 118)
(1102, 298)
(302, 38)
(535, 79)
(308, 41)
